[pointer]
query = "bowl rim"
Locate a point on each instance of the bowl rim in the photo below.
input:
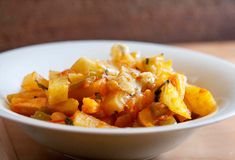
(209, 119)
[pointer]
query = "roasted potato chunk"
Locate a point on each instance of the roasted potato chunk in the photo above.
(68, 107)
(170, 97)
(180, 82)
(90, 106)
(28, 106)
(148, 116)
(26, 95)
(34, 81)
(58, 90)
(84, 120)
(199, 100)
(115, 102)
(86, 66)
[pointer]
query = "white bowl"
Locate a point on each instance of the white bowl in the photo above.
(131, 143)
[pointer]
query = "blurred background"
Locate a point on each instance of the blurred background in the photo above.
(25, 22)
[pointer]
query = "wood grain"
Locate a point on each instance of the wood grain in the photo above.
(214, 142)
(28, 149)
(30, 22)
(7, 151)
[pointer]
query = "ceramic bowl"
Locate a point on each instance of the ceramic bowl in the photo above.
(130, 143)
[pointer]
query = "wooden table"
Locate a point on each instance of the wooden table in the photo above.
(213, 142)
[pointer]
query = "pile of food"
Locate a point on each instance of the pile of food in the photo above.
(125, 91)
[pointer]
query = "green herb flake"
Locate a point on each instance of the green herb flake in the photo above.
(41, 116)
(41, 86)
(147, 61)
(106, 71)
(158, 91)
(97, 95)
(68, 121)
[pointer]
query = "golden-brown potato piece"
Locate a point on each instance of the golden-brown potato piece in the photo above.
(167, 121)
(114, 102)
(80, 90)
(68, 107)
(84, 65)
(170, 97)
(53, 74)
(124, 120)
(28, 106)
(27, 95)
(180, 82)
(90, 106)
(199, 100)
(75, 78)
(148, 116)
(58, 90)
(84, 120)
(34, 81)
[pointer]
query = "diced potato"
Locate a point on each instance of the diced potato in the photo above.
(58, 116)
(29, 106)
(112, 86)
(149, 114)
(121, 57)
(84, 120)
(146, 118)
(118, 50)
(124, 121)
(180, 82)
(114, 102)
(75, 78)
(58, 90)
(42, 82)
(158, 109)
(34, 81)
(162, 77)
(135, 55)
(199, 100)
(67, 72)
(150, 64)
(29, 82)
(167, 65)
(27, 95)
(90, 106)
(85, 65)
(148, 97)
(78, 91)
(68, 107)
(16, 100)
(54, 75)
(168, 121)
(41, 116)
(170, 97)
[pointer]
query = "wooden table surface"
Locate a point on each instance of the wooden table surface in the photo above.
(214, 142)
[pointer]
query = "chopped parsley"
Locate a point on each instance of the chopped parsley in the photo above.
(147, 61)
(158, 91)
(97, 95)
(41, 86)
(68, 121)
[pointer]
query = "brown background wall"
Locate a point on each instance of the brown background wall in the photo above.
(24, 22)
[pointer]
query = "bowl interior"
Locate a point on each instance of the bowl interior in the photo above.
(212, 73)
